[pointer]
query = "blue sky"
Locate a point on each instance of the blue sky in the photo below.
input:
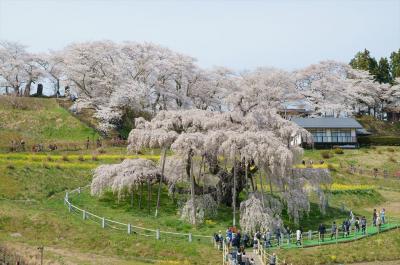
(237, 34)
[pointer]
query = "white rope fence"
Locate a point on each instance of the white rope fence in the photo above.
(128, 228)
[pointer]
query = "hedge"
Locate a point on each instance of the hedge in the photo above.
(379, 140)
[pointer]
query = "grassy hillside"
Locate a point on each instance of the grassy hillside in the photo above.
(378, 127)
(39, 120)
(32, 212)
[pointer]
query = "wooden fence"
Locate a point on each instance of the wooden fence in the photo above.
(127, 227)
(375, 172)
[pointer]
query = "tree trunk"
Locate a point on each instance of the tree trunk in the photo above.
(192, 192)
(27, 90)
(161, 179)
(262, 189)
(234, 192)
(201, 165)
(132, 198)
(148, 195)
(246, 177)
(141, 195)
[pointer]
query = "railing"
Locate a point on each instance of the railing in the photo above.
(314, 238)
(311, 239)
(335, 139)
(127, 227)
(265, 256)
(376, 172)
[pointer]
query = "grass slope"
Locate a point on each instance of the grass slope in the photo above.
(39, 120)
(32, 187)
(378, 127)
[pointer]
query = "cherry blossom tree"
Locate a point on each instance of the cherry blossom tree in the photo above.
(127, 176)
(18, 68)
(200, 137)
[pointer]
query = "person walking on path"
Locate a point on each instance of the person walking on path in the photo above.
(268, 239)
(378, 223)
(298, 237)
(383, 216)
(357, 224)
(255, 244)
(278, 236)
(272, 259)
(363, 225)
(288, 233)
(374, 216)
(352, 218)
(322, 230)
(348, 227)
(333, 230)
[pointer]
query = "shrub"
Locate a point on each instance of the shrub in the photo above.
(58, 166)
(379, 152)
(95, 158)
(392, 159)
(10, 166)
(81, 158)
(65, 158)
(326, 154)
(331, 167)
(390, 149)
(379, 140)
(45, 165)
(50, 193)
(49, 158)
(339, 151)
(101, 151)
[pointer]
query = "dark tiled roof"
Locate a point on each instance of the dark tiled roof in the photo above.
(327, 122)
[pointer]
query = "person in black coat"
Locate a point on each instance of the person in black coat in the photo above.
(322, 230)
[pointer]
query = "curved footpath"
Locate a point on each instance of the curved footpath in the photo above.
(310, 239)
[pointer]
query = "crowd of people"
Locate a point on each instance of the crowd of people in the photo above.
(237, 242)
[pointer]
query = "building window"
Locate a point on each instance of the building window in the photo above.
(341, 136)
(319, 135)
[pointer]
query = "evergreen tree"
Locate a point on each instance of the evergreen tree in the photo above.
(395, 64)
(364, 61)
(383, 71)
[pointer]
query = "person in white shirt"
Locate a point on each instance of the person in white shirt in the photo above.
(298, 237)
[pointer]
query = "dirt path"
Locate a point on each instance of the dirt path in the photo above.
(392, 204)
(58, 256)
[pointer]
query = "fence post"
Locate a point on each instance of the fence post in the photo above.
(66, 200)
(69, 207)
(158, 234)
(309, 235)
(129, 229)
(79, 190)
(84, 215)
(319, 238)
(190, 237)
(103, 222)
